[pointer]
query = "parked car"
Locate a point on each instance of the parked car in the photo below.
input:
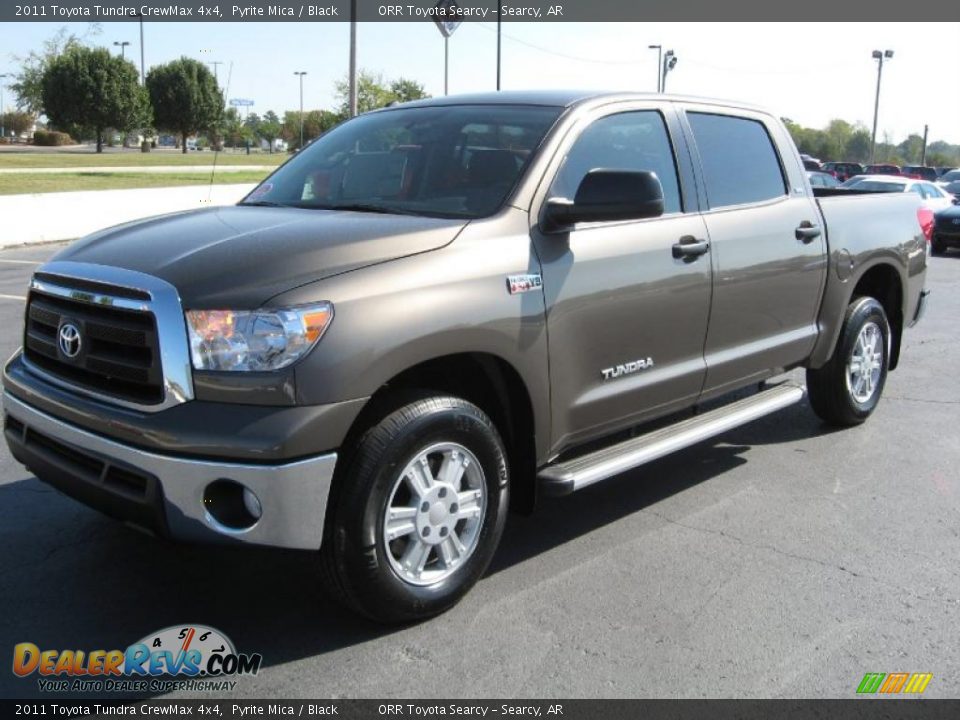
(942, 170)
(822, 179)
(813, 165)
(946, 230)
(843, 170)
(948, 177)
(932, 195)
(920, 172)
(953, 188)
(380, 351)
(881, 170)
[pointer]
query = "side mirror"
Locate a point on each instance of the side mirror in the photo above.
(605, 196)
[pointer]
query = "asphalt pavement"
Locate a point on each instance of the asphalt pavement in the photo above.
(783, 559)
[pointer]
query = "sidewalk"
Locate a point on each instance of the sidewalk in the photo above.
(63, 216)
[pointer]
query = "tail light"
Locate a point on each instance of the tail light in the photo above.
(925, 216)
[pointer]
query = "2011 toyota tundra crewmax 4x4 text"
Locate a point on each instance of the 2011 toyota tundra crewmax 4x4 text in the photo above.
(441, 309)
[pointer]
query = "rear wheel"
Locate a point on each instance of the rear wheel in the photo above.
(846, 390)
(420, 512)
(937, 247)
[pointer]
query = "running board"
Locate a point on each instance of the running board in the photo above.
(577, 473)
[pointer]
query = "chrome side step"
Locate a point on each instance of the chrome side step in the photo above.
(577, 473)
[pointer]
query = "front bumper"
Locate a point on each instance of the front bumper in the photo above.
(170, 495)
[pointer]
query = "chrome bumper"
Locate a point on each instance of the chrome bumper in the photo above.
(293, 496)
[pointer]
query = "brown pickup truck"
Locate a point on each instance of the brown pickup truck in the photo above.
(436, 311)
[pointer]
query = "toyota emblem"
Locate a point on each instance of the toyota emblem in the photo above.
(69, 340)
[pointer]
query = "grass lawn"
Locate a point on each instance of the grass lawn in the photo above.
(133, 159)
(24, 183)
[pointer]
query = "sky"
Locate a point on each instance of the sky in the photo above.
(808, 72)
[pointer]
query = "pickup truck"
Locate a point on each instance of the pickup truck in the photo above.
(440, 310)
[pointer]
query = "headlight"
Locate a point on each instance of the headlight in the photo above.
(259, 340)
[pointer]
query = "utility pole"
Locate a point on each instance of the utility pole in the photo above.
(143, 76)
(879, 57)
(353, 58)
(923, 157)
(123, 47)
(214, 63)
(446, 64)
(3, 132)
(301, 73)
(659, 49)
(499, 38)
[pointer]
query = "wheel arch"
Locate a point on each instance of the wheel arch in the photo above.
(482, 378)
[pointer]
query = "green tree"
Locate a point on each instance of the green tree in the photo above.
(16, 122)
(374, 92)
(185, 98)
(29, 85)
(91, 88)
(270, 128)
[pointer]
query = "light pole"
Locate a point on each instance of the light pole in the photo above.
(879, 57)
(143, 77)
(669, 63)
(659, 49)
(352, 82)
(3, 131)
(498, 51)
(122, 46)
(301, 73)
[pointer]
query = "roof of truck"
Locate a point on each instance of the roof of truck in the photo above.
(563, 98)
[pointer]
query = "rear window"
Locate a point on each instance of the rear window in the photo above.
(740, 164)
(874, 185)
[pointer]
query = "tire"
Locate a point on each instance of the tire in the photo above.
(839, 394)
(421, 571)
(937, 247)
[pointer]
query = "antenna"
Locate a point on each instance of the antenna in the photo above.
(216, 151)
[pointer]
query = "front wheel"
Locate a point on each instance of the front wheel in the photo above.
(420, 511)
(846, 390)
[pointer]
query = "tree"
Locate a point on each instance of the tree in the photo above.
(405, 90)
(270, 128)
(373, 92)
(29, 85)
(91, 88)
(185, 98)
(315, 123)
(16, 122)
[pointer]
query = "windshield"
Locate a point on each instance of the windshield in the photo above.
(452, 161)
(873, 185)
(951, 176)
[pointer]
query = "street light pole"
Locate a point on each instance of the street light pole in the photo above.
(353, 58)
(669, 63)
(3, 131)
(143, 77)
(123, 47)
(301, 73)
(498, 52)
(659, 49)
(879, 57)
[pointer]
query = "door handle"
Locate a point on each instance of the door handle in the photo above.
(807, 232)
(690, 248)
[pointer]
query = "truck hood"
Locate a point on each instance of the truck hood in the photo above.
(240, 257)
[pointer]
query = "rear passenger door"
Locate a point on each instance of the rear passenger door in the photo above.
(626, 319)
(768, 251)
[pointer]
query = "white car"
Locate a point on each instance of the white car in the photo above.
(933, 196)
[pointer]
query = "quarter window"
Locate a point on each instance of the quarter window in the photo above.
(740, 164)
(626, 141)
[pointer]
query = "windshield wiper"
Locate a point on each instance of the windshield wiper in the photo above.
(365, 207)
(264, 203)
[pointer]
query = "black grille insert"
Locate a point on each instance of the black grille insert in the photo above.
(119, 351)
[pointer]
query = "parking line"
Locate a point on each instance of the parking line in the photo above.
(21, 298)
(21, 262)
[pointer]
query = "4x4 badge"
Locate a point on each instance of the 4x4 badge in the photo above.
(523, 283)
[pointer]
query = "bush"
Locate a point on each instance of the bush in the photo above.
(51, 138)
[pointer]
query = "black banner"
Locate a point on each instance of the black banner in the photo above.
(475, 10)
(867, 709)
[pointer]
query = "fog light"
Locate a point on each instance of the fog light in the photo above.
(252, 503)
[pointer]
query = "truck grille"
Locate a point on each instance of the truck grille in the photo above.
(118, 355)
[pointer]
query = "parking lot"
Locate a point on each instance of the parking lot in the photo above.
(783, 559)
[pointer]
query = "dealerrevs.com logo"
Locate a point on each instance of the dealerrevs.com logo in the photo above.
(180, 657)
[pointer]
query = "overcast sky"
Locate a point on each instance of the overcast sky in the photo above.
(808, 72)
